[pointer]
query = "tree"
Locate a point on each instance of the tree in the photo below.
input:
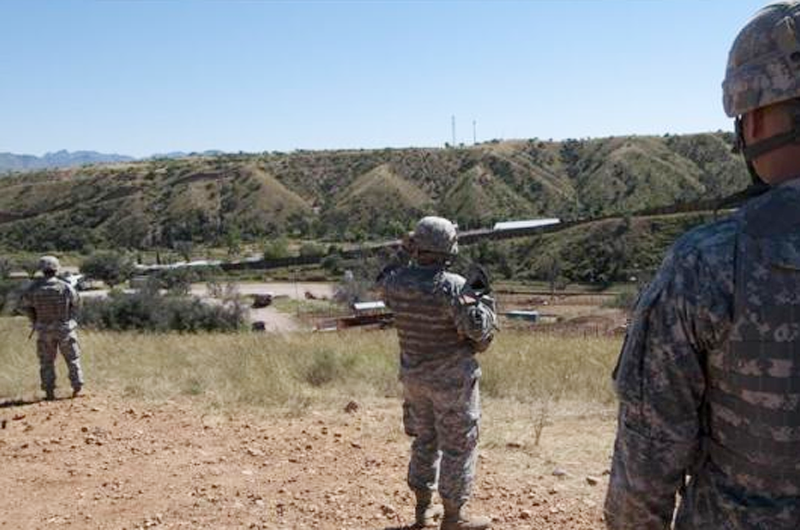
(30, 266)
(185, 249)
(311, 249)
(276, 249)
(233, 241)
(5, 267)
(112, 268)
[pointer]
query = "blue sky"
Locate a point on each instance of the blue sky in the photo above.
(143, 77)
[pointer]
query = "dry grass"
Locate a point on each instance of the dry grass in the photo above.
(294, 371)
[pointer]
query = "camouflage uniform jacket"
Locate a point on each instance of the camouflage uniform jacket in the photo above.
(440, 329)
(708, 384)
(51, 304)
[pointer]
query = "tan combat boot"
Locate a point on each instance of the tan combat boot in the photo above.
(426, 512)
(455, 518)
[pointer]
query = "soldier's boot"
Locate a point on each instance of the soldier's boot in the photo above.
(49, 394)
(76, 392)
(426, 513)
(456, 518)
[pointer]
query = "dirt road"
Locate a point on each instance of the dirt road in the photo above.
(105, 462)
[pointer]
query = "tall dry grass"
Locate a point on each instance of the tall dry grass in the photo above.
(299, 370)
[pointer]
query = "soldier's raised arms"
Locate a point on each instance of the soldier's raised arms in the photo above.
(439, 331)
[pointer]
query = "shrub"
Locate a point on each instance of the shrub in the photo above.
(9, 294)
(112, 268)
(180, 280)
(311, 249)
(276, 249)
(149, 311)
(5, 267)
(328, 366)
(332, 264)
(625, 300)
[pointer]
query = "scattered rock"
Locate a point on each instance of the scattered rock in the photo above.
(592, 481)
(514, 445)
(352, 407)
(558, 472)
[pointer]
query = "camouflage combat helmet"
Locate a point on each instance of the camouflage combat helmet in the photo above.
(764, 69)
(764, 61)
(436, 235)
(48, 264)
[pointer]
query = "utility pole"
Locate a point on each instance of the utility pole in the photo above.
(474, 132)
(453, 123)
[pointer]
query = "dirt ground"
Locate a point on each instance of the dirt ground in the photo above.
(292, 290)
(103, 462)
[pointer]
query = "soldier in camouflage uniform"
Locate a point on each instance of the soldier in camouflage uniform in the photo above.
(441, 326)
(51, 304)
(709, 376)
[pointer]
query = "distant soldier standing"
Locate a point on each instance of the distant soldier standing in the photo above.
(709, 377)
(440, 327)
(51, 304)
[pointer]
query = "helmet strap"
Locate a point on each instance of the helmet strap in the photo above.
(757, 149)
(425, 257)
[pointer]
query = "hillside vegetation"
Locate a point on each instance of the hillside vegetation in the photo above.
(356, 195)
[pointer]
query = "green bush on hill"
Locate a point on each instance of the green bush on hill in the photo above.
(149, 311)
(113, 268)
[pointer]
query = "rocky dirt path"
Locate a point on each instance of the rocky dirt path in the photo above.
(104, 462)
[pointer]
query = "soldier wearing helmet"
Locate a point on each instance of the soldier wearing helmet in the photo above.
(440, 329)
(709, 376)
(51, 304)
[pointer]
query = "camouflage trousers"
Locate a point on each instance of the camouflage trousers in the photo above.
(48, 345)
(445, 424)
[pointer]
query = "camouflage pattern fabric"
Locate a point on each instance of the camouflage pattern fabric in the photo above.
(709, 380)
(764, 59)
(52, 304)
(48, 345)
(445, 423)
(439, 337)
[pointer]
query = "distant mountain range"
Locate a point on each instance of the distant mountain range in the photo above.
(10, 162)
(15, 162)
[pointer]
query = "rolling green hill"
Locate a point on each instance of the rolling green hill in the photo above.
(357, 194)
